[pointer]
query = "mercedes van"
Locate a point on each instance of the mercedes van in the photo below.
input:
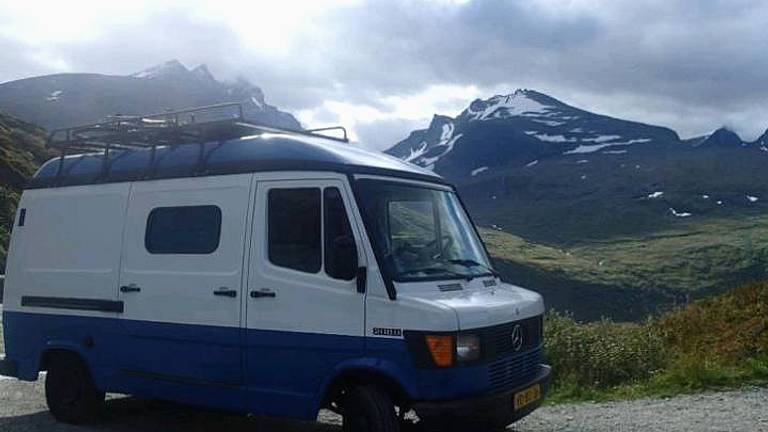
(235, 266)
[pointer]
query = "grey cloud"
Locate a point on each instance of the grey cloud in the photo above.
(382, 134)
(691, 65)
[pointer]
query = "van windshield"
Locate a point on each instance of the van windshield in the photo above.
(422, 233)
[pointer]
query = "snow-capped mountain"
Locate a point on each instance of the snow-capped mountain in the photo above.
(531, 164)
(521, 128)
(62, 100)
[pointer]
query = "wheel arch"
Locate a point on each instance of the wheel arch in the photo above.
(53, 348)
(385, 378)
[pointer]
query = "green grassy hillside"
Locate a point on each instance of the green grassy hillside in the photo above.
(22, 149)
(627, 278)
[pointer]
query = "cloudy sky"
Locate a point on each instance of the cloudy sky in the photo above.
(383, 67)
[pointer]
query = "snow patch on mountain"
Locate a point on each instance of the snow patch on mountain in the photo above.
(257, 103)
(54, 96)
(448, 142)
(554, 138)
(518, 103)
(417, 152)
(679, 214)
(602, 138)
(551, 123)
(590, 148)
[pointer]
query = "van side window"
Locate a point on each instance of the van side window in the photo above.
(294, 228)
(340, 249)
(183, 230)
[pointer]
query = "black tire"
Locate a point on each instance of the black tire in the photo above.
(69, 390)
(368, 409)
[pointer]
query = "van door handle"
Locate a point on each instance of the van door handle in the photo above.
(130, 288)
(225, 292)
(263, 293)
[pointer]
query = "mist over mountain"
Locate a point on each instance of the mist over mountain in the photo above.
(62, 100)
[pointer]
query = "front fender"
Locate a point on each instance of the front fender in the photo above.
(368, 365)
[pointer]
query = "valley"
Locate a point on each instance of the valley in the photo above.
(605, 217)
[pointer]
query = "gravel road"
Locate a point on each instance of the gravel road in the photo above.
(22, 408)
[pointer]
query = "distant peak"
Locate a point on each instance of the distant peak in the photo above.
(169, 68)
(202, 72)
(722, 137)
(521, 102)
(439, 120)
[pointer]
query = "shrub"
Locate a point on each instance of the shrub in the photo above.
(602, 353)
(729, 328)
(717, 342)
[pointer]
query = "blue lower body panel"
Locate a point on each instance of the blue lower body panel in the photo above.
(263, 372)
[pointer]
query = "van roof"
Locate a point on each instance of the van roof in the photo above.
(257, 153)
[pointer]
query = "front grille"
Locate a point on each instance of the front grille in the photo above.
(498, 341)
(514, 369)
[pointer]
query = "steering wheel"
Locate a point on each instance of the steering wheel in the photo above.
(446, 242)
(406, 248)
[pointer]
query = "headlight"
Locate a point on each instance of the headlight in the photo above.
(467, 348)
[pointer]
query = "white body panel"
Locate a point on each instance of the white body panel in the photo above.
(69, 245)
(179, 288)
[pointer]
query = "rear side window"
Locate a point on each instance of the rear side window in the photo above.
(294, 229)
(183, 230)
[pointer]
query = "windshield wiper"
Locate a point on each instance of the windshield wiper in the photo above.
(473, 263)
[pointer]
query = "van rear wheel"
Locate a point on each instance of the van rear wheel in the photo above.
(368, 409)
(70, 392)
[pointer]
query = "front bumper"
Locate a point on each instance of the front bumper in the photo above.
(8, 367)
(497, 407)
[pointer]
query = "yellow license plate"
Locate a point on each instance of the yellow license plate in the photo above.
(527, 397)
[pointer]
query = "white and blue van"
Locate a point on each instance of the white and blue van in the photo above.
(257, 270)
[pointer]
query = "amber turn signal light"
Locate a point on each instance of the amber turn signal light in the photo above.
(441, 349)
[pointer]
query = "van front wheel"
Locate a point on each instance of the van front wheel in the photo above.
(69, 390)
(368, 409)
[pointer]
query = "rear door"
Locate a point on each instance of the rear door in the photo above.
(181, 279)
(304, 314)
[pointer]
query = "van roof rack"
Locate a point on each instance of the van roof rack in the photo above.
(198, 125)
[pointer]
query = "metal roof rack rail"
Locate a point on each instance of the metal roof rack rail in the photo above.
(219, 122)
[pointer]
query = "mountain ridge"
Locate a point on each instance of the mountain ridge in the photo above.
(559, 127)
(552, 172)
(70, 99)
